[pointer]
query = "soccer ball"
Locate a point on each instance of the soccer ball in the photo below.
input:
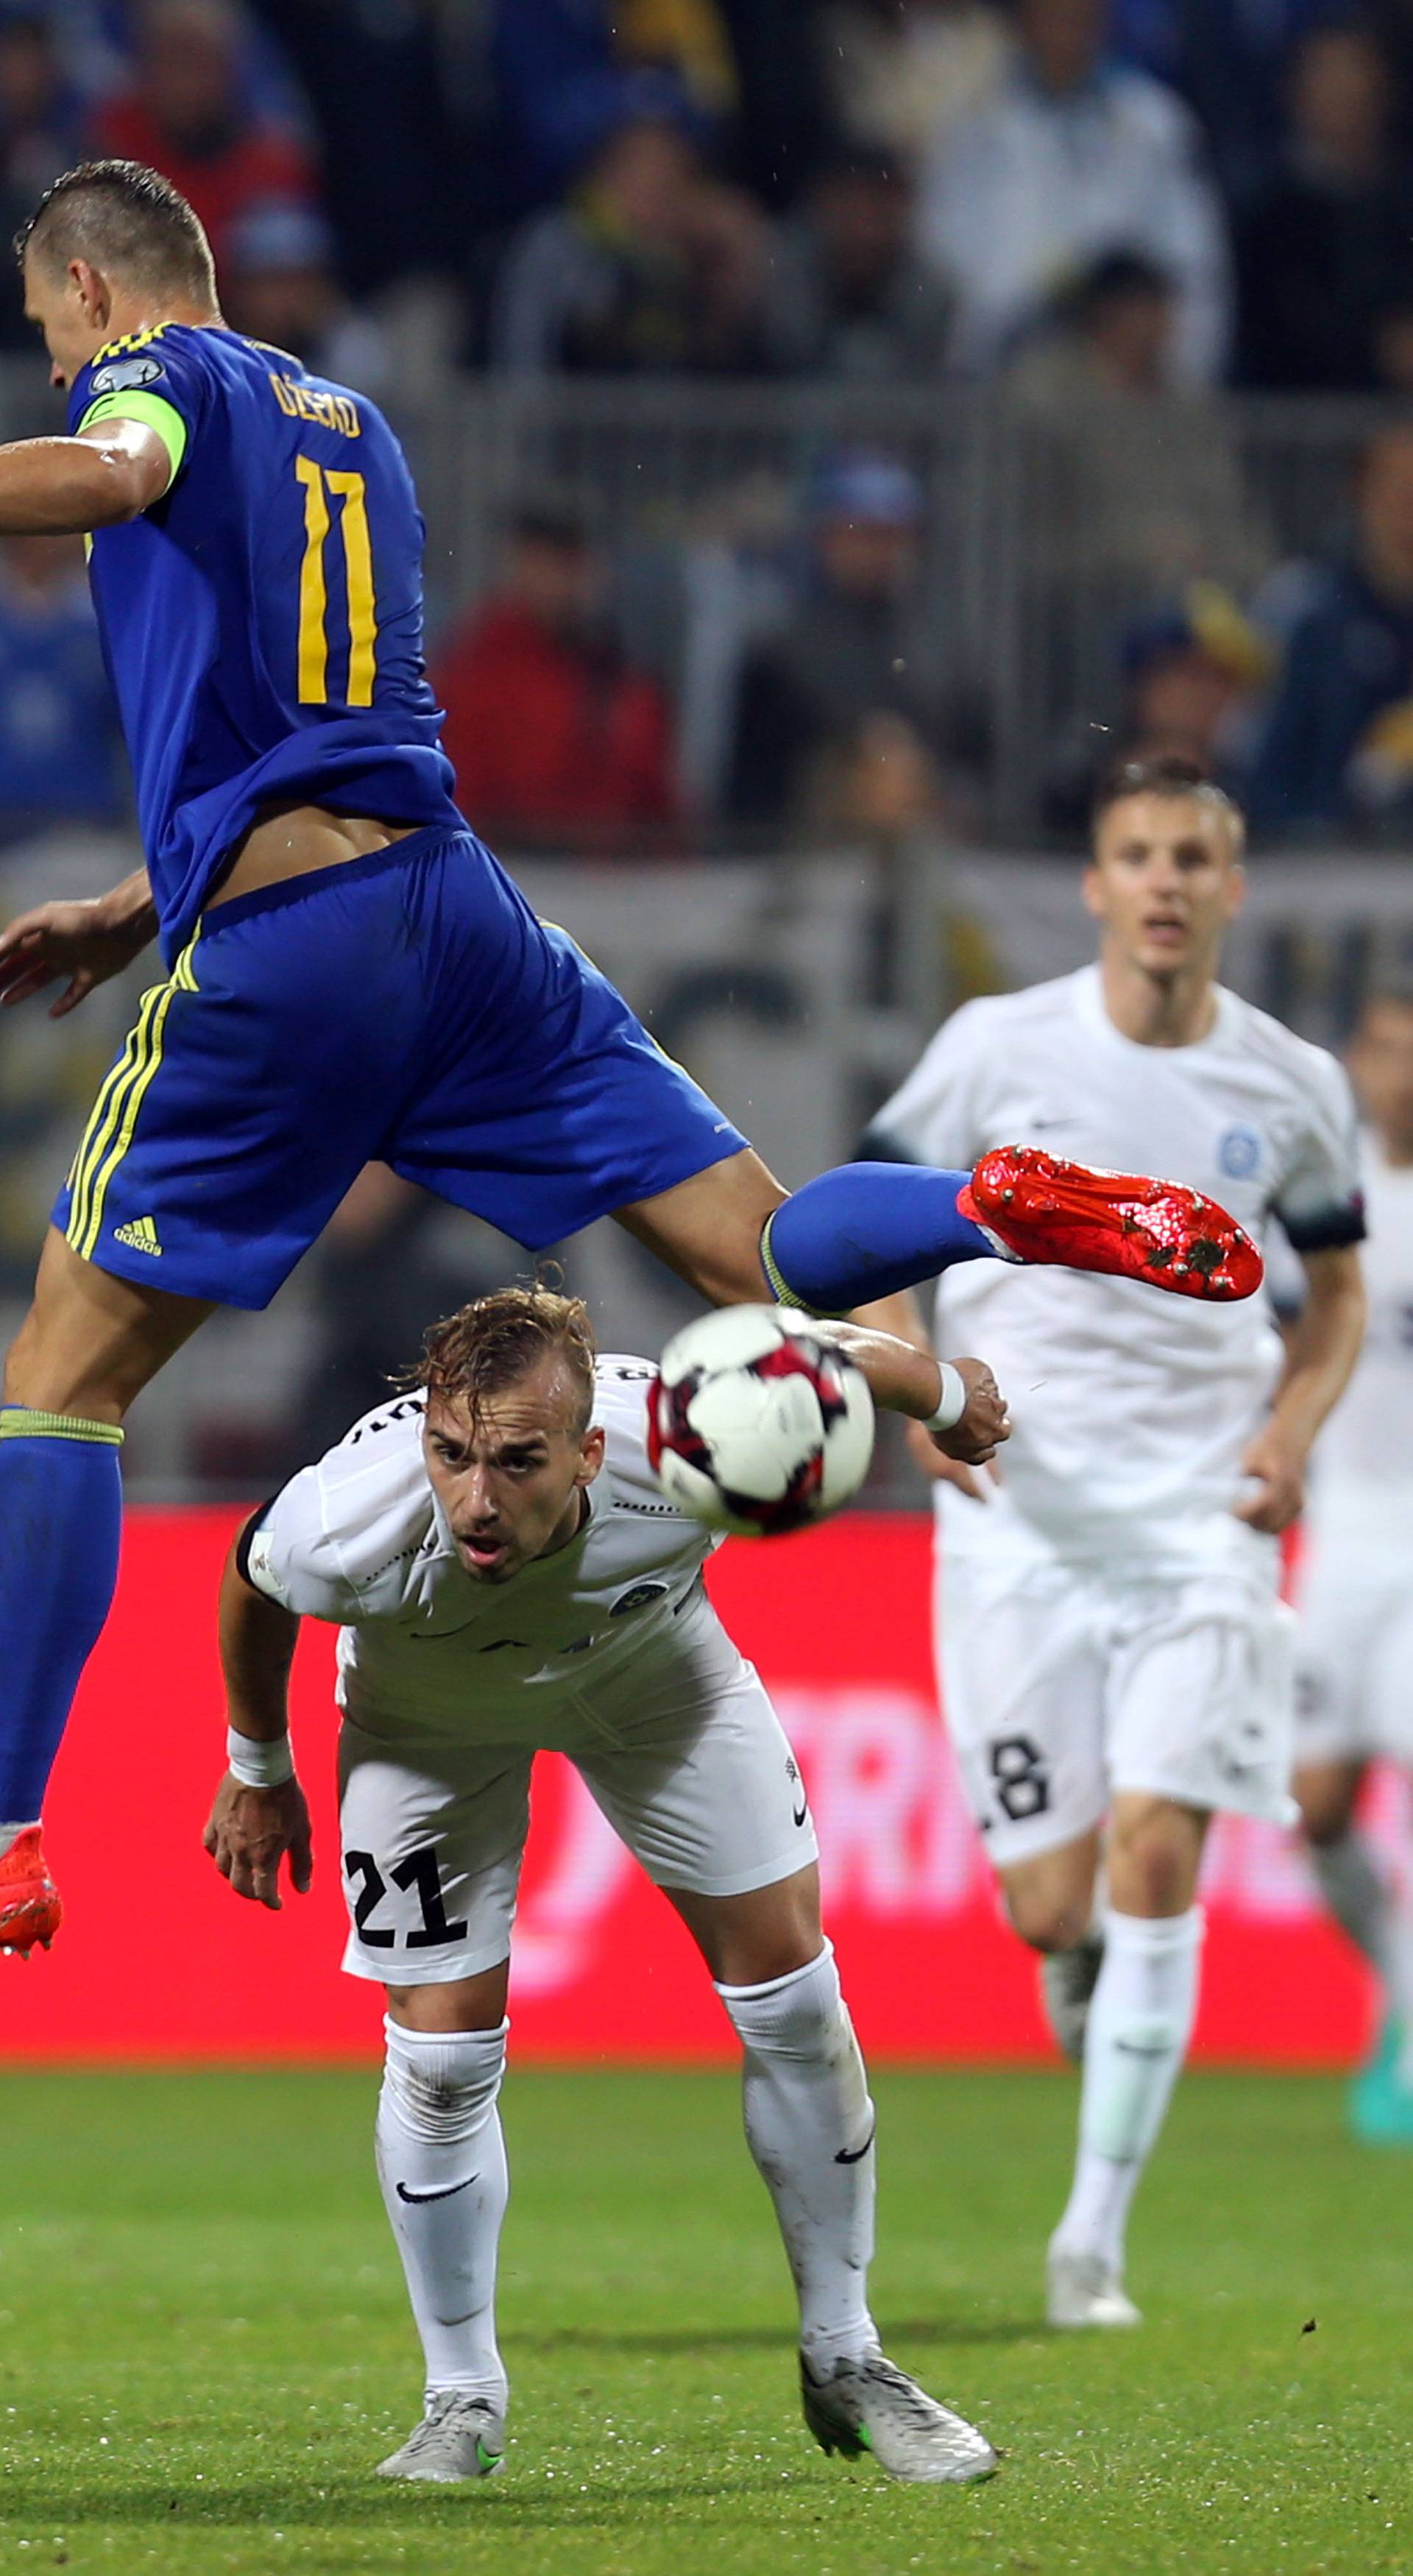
(756, 1424)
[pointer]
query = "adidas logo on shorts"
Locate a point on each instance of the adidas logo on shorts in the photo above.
(140, 1236)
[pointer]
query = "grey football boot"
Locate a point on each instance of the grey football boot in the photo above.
(871, 2405)
(458, 2439)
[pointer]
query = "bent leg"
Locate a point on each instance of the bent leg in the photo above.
(809, 2120)
(1351, 1881)
(89, 1344)
(844, 1240)
(1050, 1899)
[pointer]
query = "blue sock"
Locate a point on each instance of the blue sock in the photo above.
(61, 1510)
(864, 1232)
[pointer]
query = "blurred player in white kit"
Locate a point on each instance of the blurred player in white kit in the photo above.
(1115, 1661)
(507, 1575)
(1355, 1695)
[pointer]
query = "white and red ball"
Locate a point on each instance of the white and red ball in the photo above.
(756, 1424)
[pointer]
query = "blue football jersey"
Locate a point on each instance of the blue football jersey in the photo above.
(262, 623)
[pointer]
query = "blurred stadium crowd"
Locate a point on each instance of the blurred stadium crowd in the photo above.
(1127, 284)
(842, 424)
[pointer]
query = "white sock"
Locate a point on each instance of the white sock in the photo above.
(809, 2126)
(1140, 2021)
(441, 2163)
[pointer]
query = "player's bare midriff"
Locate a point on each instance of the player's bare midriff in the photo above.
(295, 840)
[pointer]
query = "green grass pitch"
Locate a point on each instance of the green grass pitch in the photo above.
(203, 2346)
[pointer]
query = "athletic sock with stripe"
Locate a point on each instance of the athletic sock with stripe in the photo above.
(61, 1510)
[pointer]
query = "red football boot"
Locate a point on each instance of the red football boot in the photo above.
(1040, 1209)
(30, 1909)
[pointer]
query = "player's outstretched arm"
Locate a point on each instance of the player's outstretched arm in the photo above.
(936, 1452)
(84, 942)
(67, 487)
(259, 1817)
(1321, 1349)
(904, 1377)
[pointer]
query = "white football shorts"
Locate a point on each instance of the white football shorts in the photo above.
(707, 1796)
(1354, 1666)
(1062, 1686)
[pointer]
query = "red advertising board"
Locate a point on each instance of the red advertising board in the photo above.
(158, 1959)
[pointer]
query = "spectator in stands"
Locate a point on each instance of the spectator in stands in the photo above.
(838, 712)
(1134, 479)
(1228, 60)
(653, 265)
(849, 297)
(1190, 673)
(280, 285)
(1336, 748)
(556, 741)
(572, 72)
(902, 74)
(41, 133)
(1073, 157)
(60, 754)
(1325, 257)
(411, 143)
(186, 113)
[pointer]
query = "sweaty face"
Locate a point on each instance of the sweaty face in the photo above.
(1164, 882)
(1381, 1064)
(64, 306)
(511, 1480)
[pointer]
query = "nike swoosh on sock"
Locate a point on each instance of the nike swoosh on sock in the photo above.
(855, 2157)
(452, 2187)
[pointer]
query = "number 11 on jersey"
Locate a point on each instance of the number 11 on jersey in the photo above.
(319, 481)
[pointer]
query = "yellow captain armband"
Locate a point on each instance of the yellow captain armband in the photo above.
(152, 412)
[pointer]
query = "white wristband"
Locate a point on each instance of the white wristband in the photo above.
(953, 1402)
(258, 1763)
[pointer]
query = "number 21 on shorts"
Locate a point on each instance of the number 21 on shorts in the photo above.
(320, 482)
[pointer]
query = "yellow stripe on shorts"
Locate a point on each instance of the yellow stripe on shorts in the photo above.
(110, 1129)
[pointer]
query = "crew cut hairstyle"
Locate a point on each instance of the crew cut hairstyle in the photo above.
(1165, 773)
(496, 1340)
(127, 221)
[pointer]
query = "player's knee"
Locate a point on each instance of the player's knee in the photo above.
(800, 2015)
(1050, 1918)
(443, 2085)
(1325, 1812)
(1153, 1868)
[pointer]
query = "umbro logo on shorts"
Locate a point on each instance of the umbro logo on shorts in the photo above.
(140, 1236)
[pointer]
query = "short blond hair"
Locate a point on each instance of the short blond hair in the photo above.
(495, 1341)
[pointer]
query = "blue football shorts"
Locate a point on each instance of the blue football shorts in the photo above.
(406, 1008)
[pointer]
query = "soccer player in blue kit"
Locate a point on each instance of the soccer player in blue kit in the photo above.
(350, 974)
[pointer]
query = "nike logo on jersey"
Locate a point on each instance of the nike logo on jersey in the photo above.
(449, 2194)
(799, 1813)
(855, 2156)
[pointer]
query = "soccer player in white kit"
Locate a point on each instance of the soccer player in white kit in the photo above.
(1115, 1661)
(508, 1575)
(1354, 1702)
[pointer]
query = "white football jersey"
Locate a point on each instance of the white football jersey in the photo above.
(1362, 1481)
(1130, 1408)
(600, 1625)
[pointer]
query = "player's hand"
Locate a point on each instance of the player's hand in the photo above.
(974, 1482)
(975, 1438)
(82, 943)
(1274, 1470)
(249, 1833)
